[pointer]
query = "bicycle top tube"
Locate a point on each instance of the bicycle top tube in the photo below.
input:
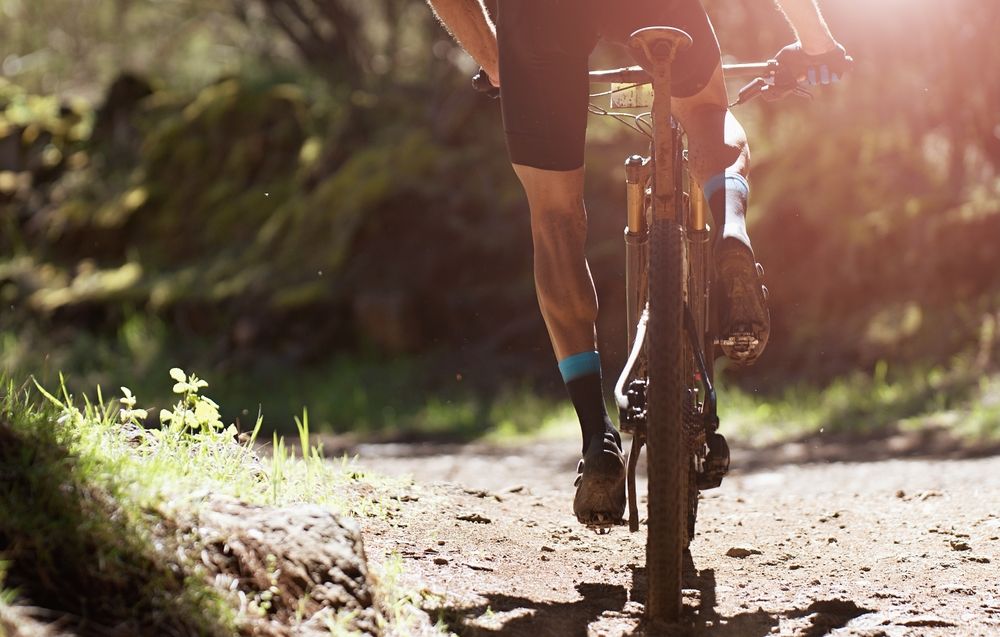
(638, 75)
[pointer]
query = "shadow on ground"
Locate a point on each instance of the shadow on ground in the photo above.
(885, 444)
(611, 609)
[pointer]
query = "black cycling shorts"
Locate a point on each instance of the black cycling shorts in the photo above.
(544, 51)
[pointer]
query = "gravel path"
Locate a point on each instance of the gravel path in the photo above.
(787, 546)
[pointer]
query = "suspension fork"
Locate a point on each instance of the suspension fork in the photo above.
(637, 171)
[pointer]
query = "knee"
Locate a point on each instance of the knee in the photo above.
(717, 142)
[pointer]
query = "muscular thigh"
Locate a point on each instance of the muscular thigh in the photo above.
(544, 51)
(544, 46)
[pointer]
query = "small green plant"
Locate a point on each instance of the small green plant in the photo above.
(128, 413)
(193, 412)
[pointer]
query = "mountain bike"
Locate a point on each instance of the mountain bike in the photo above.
(665, 393)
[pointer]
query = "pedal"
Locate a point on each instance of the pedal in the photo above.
(741, 346)
(602, 529)
(602, 525)
(716, 463)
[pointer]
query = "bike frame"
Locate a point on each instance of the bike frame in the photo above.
(667, 223)
(659, 190)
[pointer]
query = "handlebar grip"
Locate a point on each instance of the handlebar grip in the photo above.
(481, 82)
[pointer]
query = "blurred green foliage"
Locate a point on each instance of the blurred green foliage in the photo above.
(238, 203)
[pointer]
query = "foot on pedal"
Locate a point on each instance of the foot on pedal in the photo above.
(600, 485)
(744, 319)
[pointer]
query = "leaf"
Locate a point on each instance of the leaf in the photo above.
(127, 392)
(177, 374)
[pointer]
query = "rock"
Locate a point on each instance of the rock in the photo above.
(440, 561)
(304, 558)
(742, 552)
(474, 517)
(928, 621)
(17, 621)
(960, 545)
(479, 567)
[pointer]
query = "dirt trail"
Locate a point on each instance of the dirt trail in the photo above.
(787, 547)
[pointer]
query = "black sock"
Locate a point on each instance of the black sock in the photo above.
(587, 396)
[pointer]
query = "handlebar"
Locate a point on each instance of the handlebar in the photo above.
(763, 74)
(638, 75)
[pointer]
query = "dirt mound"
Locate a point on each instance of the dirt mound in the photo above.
(85, 559)
(296, 568)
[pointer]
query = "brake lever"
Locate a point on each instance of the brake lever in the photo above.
(782, 92)
(760, 87)
(803, 92)
(750, 91)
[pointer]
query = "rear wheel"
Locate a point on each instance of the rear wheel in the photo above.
(669, 461)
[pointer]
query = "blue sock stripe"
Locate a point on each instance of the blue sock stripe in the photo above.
(716, 182)
(577, 365)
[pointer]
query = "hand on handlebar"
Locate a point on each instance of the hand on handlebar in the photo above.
(795, 65)
(483, 83)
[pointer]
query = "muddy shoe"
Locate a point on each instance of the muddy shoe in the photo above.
(600, 487)
(744, 320)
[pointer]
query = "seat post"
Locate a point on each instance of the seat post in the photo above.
(655, 49)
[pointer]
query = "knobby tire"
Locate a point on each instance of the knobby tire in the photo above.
(668, 512)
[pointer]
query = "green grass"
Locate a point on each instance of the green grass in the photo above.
(409, 397)
(91, 491)
(960, 397)
(358, 393)
(75, 540)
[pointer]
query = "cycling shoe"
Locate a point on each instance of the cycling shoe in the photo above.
(744, 319)
(600, 487)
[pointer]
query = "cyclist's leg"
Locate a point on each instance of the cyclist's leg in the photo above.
(718, 152)
(543, 66)
(719, 159)
(543, 63)
(716, 139)
(563, 283)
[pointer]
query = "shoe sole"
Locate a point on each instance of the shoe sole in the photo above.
(749, 321)
(600, 495)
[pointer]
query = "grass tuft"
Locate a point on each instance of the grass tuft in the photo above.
(86, 521)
